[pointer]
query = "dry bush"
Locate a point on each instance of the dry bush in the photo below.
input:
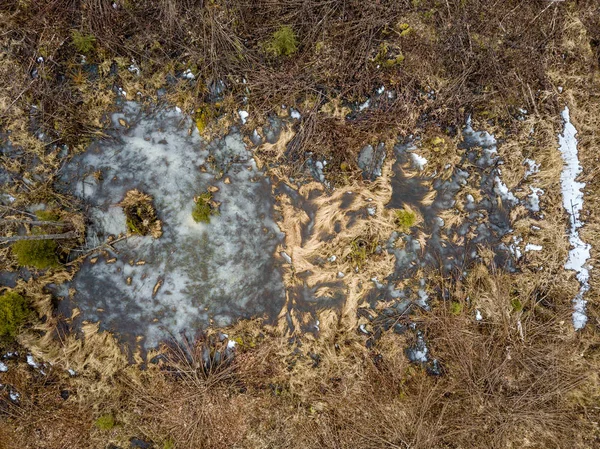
(191, 396)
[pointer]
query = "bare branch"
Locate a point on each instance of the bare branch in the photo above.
(35, 222)
(16, 238)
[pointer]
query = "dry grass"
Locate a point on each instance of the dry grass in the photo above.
(477, 55)
(516, 379)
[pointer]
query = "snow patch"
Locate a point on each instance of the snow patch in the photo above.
(418, 161)
(133, 68)
(573, 204)
(533, 199)
(502, 191)
(533, 247)
(418, 352)
(31, 361)
(515, 248)
(188, 75)
(532, 167)
(365, 105)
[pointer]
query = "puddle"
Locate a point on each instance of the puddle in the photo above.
(449, 246)
(195, 273)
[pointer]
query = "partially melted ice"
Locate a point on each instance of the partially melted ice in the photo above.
(195, 272)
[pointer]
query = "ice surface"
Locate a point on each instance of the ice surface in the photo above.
(224, 270)
(573, 203)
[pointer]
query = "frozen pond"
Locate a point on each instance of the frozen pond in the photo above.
(195, 273)
(198, 274)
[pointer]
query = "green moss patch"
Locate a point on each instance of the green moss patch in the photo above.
(204, 208)
(47, 215)
(388, 56)
(39, 254)
(84, 43)
(405, 219)
(456, 308)
(516, 304)
(14, 311)
(283, 42)
(105, 422)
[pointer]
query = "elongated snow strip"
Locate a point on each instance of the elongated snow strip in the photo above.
(573, 203)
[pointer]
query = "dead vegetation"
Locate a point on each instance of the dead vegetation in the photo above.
(62, 64)
(518, 378)
(506, 381)
(140, 214)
